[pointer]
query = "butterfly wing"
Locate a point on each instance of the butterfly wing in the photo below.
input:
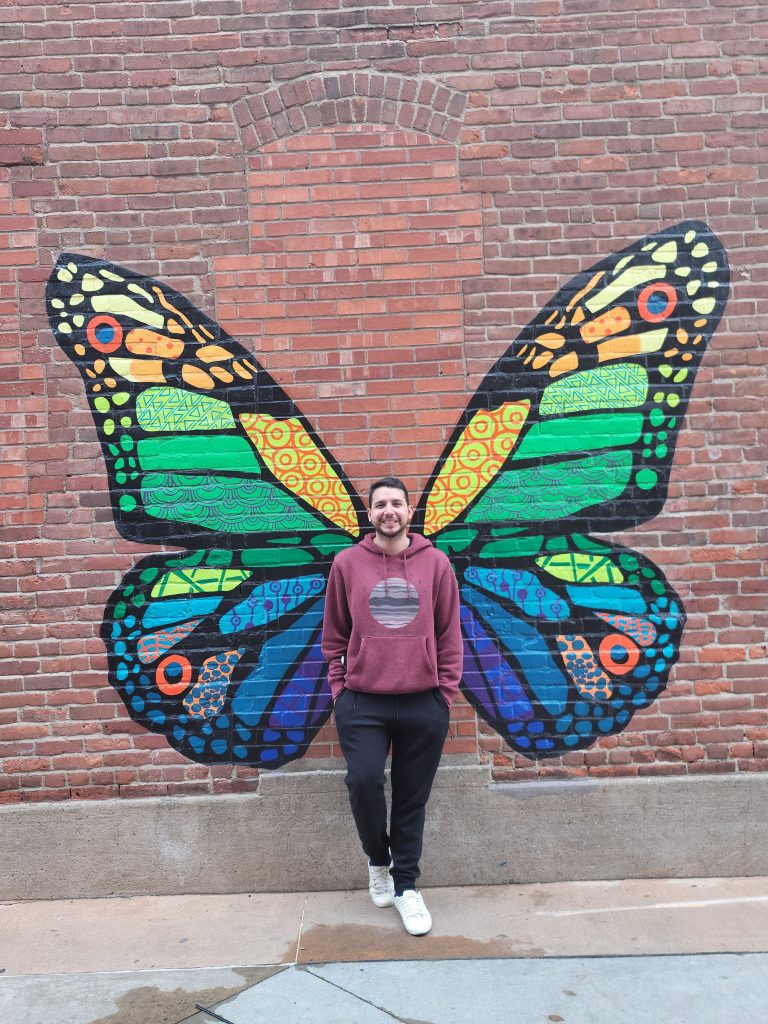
(217, 649)
(573, 431)
(198, 440)
(564, 643)
(575, 426)
(222, 655)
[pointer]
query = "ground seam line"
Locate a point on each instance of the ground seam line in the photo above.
(301, 931)
(354, 995)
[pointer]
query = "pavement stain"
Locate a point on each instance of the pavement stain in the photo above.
(150, 1003)
(322, 944)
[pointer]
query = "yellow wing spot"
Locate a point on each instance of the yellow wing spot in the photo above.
(551, 340)
(197, 378)
(613, 321)
(124, 305)
(587, 288)
(213, 353)
(578, 317)
(481, 450)
(221, 374)
(682, 336)
(630, 279)
(542, 360)
(133, 287)
(296, 461)
(705, 305)
(564, 364)
(170, 307)
(144, 371)
(91, 283)
(142, 342)
(666, 253)
(241, 371)
(631, 345)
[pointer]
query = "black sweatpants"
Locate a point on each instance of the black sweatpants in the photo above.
(414, 727)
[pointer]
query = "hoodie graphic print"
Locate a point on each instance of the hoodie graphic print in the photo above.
(391, 622)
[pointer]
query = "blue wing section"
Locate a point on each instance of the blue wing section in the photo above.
(220, 657)
(554, 655)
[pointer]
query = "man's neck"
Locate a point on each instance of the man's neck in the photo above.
(394, 545)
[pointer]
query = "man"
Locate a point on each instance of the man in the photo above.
(392, 640)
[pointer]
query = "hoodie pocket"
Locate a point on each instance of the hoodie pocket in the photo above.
(392, 665)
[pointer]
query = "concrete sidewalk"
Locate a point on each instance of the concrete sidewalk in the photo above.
(688, 950)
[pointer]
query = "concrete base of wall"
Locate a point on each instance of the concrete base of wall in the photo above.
(296, 834)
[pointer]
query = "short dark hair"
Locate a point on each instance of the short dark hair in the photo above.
(387, 481)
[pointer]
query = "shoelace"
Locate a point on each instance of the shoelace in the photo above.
(380, 881)
(412, 903)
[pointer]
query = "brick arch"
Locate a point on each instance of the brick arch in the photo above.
(359, 97)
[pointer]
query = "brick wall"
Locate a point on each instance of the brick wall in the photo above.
(375, 199)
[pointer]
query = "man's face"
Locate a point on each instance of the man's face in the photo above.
(390, 512)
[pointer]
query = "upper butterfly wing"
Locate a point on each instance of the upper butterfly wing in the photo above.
(575, 426)
(199, 441)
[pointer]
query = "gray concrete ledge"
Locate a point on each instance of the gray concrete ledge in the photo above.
(296, 834)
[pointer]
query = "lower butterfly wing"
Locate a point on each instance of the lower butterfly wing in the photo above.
(563, 643)
(221, 654)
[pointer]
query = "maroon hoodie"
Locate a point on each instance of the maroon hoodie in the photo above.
(392, 621)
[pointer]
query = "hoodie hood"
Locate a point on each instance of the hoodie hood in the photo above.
(417, 543)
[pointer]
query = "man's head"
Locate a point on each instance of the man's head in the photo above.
(389, 509)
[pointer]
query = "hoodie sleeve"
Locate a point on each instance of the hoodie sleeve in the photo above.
(337, 627)
(448, 636)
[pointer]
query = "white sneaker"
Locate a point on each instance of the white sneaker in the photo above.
(413, 912)
(381, 886)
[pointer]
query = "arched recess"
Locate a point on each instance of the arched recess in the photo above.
(354, 97)
(360, 237)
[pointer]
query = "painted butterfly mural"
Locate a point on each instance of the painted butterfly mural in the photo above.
(571, 432)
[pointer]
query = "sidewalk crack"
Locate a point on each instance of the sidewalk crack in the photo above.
(368, 1002)
(301, 931)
